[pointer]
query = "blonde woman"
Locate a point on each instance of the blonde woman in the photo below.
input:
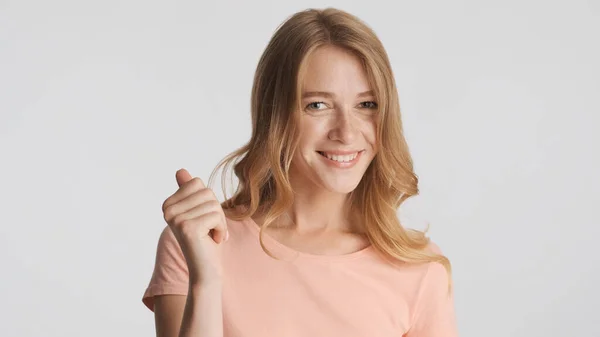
(310, 243)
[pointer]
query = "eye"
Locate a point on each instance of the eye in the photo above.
(315, 105)
(369, 105)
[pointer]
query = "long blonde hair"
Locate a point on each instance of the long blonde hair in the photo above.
(262, 165)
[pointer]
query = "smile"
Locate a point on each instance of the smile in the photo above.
(346, 160)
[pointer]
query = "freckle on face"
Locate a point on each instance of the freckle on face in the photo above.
(340, 74)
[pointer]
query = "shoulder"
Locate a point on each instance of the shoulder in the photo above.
(435, 268)
(434, 248)
(168, 251)
(167, 239)
(424, 275)
(436, 279)
(433, 310)
(434, 274)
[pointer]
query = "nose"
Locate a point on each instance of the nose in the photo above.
(343, 129)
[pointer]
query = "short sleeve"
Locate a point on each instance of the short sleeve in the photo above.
(434, 314)
(170, 275)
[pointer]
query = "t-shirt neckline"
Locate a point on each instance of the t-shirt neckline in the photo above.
(255, 229)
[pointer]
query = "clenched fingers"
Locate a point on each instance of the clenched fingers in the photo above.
(193, 186)
(200, 225)
(174, 206)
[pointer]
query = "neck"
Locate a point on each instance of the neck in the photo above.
(318, 212)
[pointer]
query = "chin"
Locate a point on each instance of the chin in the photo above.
(341, 187)
(345, 191)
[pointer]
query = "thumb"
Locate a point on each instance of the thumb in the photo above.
(182, 176)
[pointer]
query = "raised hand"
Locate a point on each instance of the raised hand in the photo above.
(197, 220)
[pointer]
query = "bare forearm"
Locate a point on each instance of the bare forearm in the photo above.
(203, 314)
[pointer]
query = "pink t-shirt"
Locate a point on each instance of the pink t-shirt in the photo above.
(304, 295)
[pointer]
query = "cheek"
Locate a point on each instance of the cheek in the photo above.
(312, 131)
(370, 132)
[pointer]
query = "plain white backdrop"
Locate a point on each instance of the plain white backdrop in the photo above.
(101, 102)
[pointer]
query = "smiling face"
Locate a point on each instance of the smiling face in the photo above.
(337, 123)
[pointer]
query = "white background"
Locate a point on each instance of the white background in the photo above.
(101, 102)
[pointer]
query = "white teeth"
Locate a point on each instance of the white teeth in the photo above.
(343, 158)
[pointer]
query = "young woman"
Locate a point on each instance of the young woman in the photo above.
(310, 244)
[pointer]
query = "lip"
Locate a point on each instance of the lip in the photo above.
(345, 165)
(341, 153)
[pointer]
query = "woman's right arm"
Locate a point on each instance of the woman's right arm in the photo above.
(168, 311)
(197, 314)
(198, 225)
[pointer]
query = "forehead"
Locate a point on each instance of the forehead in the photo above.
(334, 69)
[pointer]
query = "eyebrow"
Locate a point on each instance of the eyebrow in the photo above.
(308, 94)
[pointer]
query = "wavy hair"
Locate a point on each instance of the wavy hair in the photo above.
(263, 163)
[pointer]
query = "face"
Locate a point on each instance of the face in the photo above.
(337, 123)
